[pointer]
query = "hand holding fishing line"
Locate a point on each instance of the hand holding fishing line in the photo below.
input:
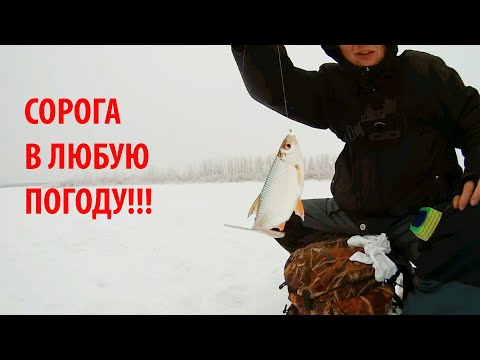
(470, 194)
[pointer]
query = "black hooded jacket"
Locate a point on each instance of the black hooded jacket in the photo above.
(401, 121)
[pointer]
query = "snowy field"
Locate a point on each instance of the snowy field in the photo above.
(180, 259)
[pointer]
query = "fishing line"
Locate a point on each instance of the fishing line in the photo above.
(243, 62)
(281, 74)
(283, 83)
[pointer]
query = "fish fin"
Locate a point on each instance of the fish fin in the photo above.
(254, 207)
(299, 175)
(299, 209)
(281, 226)
(272, 233)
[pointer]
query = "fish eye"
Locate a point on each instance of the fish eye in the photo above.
(288, 146)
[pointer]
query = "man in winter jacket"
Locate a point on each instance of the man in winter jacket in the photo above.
(401, 118)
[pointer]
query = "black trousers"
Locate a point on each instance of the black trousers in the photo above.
(447, 266)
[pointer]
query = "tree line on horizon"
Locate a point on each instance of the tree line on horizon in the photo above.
(226, 170)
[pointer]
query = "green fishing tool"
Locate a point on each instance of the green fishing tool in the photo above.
(425, 223)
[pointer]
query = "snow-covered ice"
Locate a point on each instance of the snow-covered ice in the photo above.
(180, 259)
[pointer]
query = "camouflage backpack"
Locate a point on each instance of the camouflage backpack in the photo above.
(321, 280)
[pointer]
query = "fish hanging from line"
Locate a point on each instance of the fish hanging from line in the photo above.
(280, 195)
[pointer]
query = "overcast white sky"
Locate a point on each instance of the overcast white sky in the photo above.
(187, 103)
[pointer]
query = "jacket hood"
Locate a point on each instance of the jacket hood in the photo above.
(334, 52)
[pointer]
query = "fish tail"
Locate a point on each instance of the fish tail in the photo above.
(237, 227)
(272, 233)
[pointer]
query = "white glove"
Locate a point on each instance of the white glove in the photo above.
(376, 247)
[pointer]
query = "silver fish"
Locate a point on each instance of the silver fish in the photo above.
(280, 195)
